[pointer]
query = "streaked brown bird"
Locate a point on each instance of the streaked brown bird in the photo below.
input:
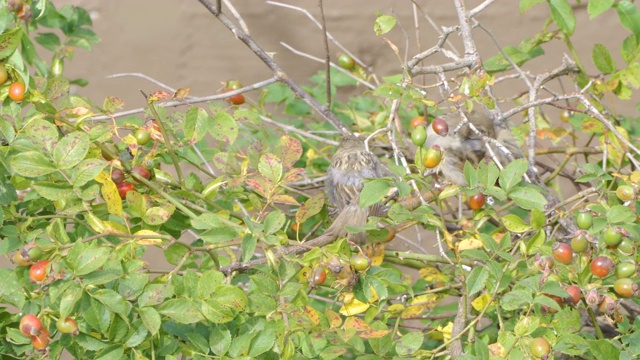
(350, 165)
(467, 145)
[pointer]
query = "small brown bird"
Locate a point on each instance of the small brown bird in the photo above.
(351, 164)
(467, 145)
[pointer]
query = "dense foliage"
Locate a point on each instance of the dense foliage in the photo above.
(228, 188)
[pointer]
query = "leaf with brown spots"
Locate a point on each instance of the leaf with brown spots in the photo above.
(9, 42)
(285, 199)
(310, 208)
(289, 150)
(225, 128)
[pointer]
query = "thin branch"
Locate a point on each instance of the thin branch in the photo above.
(188, 101)
(333, 65)
(333, 39)
(277, 70)
(293, 129)
(327, 62)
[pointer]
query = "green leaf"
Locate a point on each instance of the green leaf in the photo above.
(42, 134)
(198, 342)
(95, 314)
(471, 175)
(155, 294)
(496, 192)
(511, 175)
(7, 131)
(113, 301)
(214, 312)
(528, 198)
(220, 234)
(384, 24)
(183, 311)
(158, 215)
(9, 41)
(7, 192)
(274, 221)
(620, 214)
(137, 334)
(53, 191)
(86, 171)
(231, 297)
(373, 192)
(270, 167)
(562, 15)
(629, 51)
(517, 55)
(515, 300)
(151, 319)
(89, 260)
(113, 352)
(264, 341)
(196, 124)
(602, 59)
(528, 4)
(595, 8)
(603, 349)
(409, 343)
(49, 41)
(389, 91)
(515, 224)
(219, 340)
(477, 279)
(70, 150)
(547, 301)
(32, 164)
(487, 174)
(629, 17)
(538, 219)
(225, 128)
(89, 342)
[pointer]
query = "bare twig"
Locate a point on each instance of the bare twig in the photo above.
(293, 129)
(188, 101)
(333, 39)
(277, 70)
(327, 62)
(333, 65)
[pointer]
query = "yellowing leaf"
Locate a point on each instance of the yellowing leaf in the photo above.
(420, 304)
(110, 194)
(312, 314)
(356, 323)
(181, 93)
(431, 274)
(375, 253)
(480, 302)
(468, 244)
(148, 240)
(285, 199)
(445, 331)
(374, 334)
(395, 309)
(496, 349)
(333, 317)
(102, 177)
(354, 307)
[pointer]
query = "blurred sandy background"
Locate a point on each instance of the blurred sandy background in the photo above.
(181, 44)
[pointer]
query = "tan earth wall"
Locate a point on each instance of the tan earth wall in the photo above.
(180, 43)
